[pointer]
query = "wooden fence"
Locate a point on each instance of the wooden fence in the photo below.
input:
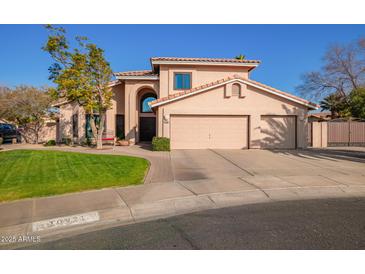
(346, 133)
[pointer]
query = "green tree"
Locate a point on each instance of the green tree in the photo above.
(357, 103)
(336, 104)
(28, 108)
(81, 75)
(240, 57)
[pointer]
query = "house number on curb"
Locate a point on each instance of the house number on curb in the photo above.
(72, 220)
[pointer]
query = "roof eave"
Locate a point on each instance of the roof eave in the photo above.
(58, 104)
(155, 63)
(129, 77)
(309, 105)
(114, 83)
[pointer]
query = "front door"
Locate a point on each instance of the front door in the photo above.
(147, 128)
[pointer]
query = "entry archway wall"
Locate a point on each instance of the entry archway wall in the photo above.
(132, 96)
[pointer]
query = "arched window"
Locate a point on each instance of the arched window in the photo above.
(149, 97)
(236, 90)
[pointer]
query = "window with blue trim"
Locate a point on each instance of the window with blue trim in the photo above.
(182, 81)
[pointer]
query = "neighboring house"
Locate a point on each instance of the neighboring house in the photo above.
(198, 103)
(319, 116)
(48, 132)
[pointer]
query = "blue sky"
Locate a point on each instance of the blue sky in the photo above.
(286, 51)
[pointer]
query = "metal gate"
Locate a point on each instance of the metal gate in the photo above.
(346, 133)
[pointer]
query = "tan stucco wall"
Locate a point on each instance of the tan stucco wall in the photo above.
(118, 107)
(48, 132)
(65, 126)
(319, 134)
(253, 102)
(67, 110)
(200, 75)
(65, 122)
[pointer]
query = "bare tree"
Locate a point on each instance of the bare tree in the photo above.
(342, 72)
(28, 108)
(3, 91)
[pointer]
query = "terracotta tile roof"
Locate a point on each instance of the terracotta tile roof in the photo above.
(114, 83)
(61, 102)
(135, 73)
(182, 59)
(222, 81)
(323, 114)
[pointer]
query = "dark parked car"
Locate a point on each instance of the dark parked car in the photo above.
(9, 132)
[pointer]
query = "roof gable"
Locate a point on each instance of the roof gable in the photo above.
(236, 78)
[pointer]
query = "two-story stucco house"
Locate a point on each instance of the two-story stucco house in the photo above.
(198, 103)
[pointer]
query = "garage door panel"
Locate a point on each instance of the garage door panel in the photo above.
(189, 133)
(278, 132)
(208, 131)
(229, 132)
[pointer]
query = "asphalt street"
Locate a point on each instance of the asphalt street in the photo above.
(307, 224)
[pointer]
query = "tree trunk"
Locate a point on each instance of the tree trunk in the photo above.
(99, 141)
(98, 130)
(333, 114)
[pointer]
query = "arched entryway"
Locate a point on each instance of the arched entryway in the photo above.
(147, 118)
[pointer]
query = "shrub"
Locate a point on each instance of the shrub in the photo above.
(89, 142)
(160, 144)
(50, 143)
(66, 141)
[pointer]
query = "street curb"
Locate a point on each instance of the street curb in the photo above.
(124, 215)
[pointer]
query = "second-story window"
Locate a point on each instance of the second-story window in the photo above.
(182, 80)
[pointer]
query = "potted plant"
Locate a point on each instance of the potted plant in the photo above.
(121, 141)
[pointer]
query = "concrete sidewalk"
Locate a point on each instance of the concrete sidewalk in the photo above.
(55, 217)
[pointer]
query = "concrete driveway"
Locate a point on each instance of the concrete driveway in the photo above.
(210, 171)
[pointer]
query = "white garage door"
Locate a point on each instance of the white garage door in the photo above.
(208, 131)
(278, 132)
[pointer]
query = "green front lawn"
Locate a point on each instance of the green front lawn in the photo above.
(35, 173)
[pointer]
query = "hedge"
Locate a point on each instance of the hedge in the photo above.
(160, 144)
